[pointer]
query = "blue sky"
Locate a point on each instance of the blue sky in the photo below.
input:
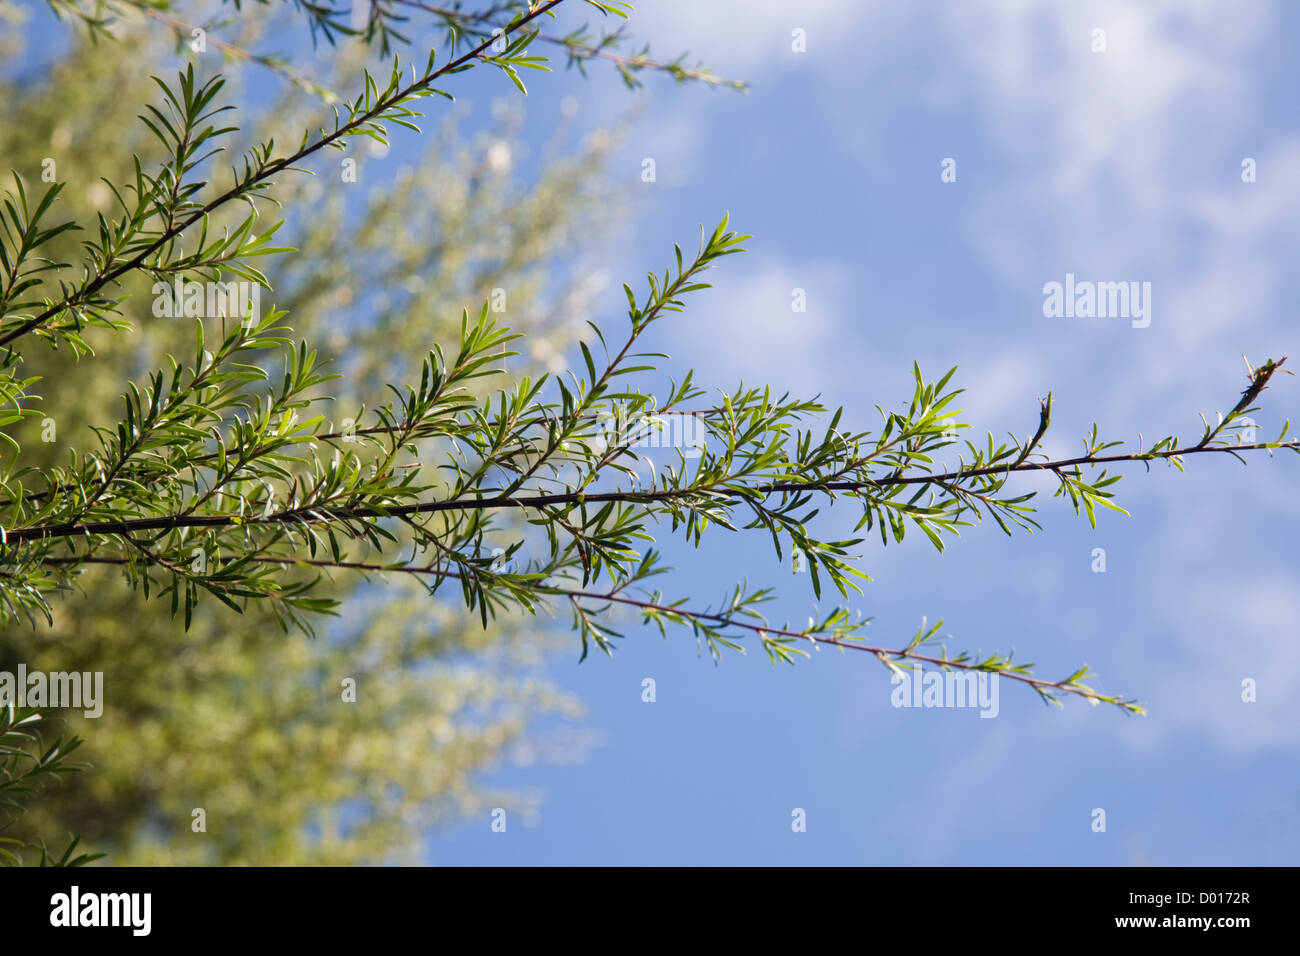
(1116, 166)
(1123, 165)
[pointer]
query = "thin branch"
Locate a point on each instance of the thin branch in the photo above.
(271, 169)
(198, 461)
(890, 656)
(185, 30)
(313, 515)
(578, 49)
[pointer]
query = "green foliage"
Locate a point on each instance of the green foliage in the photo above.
(27, 763)
(385, 20)
(189, 723)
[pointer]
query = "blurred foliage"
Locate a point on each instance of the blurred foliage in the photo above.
(235, 716)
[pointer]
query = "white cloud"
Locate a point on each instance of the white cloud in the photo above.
(745, 328)
(1128, 165)
(1209, 648)
(750, 35)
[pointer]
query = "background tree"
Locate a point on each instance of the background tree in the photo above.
(237, 716)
